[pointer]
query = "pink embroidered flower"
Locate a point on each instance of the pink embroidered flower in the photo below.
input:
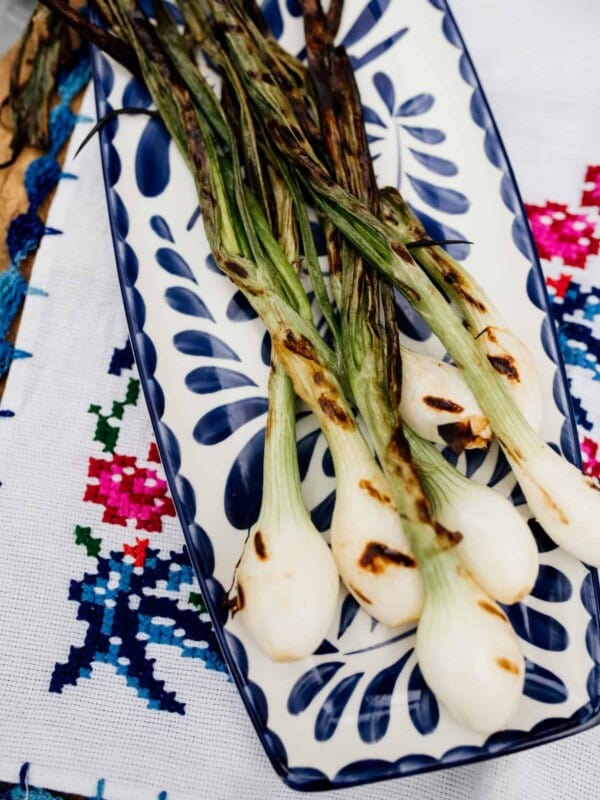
(591, 465)
(559, 232)
(128, 492)
(591, 187)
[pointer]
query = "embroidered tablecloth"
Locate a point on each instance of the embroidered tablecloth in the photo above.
(111, 684)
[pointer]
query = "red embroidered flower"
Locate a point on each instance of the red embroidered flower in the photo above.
(559, 232)
(591, 188)
(128, 492)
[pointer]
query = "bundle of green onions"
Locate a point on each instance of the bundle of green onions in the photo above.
(411, 537)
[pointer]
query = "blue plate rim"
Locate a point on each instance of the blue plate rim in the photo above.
(370, 771)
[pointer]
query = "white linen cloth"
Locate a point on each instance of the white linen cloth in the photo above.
(540, 66)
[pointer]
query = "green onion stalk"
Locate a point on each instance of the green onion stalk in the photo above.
(268, 280)
(507, 354)
(565, 502)
(460, 624)
(286, 580)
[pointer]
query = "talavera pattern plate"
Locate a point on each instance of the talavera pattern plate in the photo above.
(358, 710)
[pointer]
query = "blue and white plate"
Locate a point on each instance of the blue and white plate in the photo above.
(358, 710)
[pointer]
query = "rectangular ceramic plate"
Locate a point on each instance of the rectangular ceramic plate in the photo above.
(358, 709)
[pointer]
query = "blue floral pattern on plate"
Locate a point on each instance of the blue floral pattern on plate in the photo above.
(359, 709)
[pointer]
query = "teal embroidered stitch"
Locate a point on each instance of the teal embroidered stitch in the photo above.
(26, 230)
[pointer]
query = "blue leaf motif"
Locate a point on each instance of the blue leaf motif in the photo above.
(172, 262)
(422, 705)
(332, 709)
(160, 226)
(325, 648)
(327, 464)
(385, 90)
(152, 170)
(376, 51)
(409, 320)
(239, 309)
(272, 14)
(441, 166)
(265, 349)
(136, 95)
(322, 513)
(199, 343)
(543, 685)
(552, 585)
(318, 238)
(427, 135)
(450, 456)
(243, 488)
(501, 469)
(438, 230)
(193, 219)
(537, 628)
(348, 612)
(148, 8)
(212, 264)
(294, 8)
(365, 21)
(543, 541)
(474, 459)
(517, 498)
(219, 423)
(450, 201)
(305, 449)
(372, 117)
(186, 302)
(308, 686)
(416, 105)
(374, 712)
(205, 380)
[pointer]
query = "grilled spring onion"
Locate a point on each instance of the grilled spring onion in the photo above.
(569, 517)
(564, 502)
(506, 352)
(497, 548)
(375, 560)
(287, 581)
(438, 405)
(292, 338)
(461, 631)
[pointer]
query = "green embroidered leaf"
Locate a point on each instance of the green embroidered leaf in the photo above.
(133, 392)
(117, 409)
(195, 599)
(84, 537)
(107, 434)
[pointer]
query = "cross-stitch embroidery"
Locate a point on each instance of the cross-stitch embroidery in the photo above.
(122, 600)
(568, 240)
